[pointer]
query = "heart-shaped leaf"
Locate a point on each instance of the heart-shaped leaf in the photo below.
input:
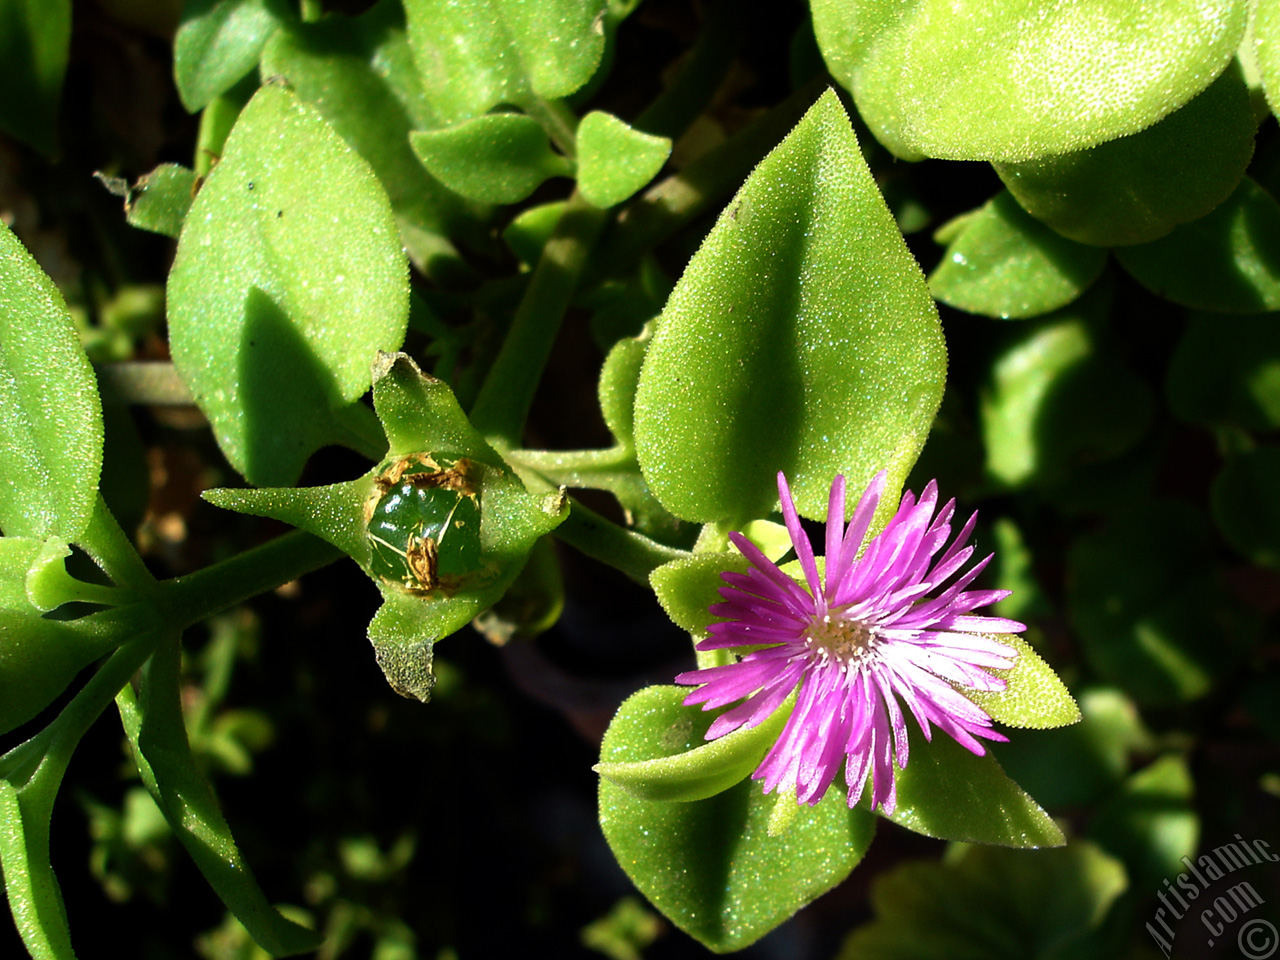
(801, 338)
(614, 159)
(499, 158)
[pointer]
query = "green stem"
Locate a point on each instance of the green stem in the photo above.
(311, 10)
(558, 120)
(47, 753)
(697, 188)
(111, 550)
(635, 555)
(555, 465)
(507, 393)
(146, 383)
(191, 599)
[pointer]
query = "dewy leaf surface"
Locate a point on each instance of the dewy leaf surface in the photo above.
(710, 865)
(289, 277)
(359, 73)
(801, 338)
(218, 42)
(50, 415)
(975, 80)
(475, 54)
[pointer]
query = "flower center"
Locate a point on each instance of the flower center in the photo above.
(835, 635)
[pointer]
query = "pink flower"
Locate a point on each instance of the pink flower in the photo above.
(874, 630)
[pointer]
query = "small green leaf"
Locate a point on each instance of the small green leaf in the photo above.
(698, 773)
(1005, 263)
(528, 233)
(1228, 261)
(50, 414)
(1147, 606)
(421, 413)
(1057, 398)
(688, 586)
(359, 73)
(157, 734)
(499, 158)
(160, 200)
(949, 793)
(289, 277)
(1033, 696)
(1138, 188)
(1022, 78)
(17, 554)
(218, 43)
(711, 865)
(801, 338)
(1246, 504)
(614, 159)
(1226, 371)
(1151, 822)
(35, 39)
(619, 378)
(475, 54)
(987, 902)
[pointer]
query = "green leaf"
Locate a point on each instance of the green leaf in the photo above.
(499, 158)
(986, 902)
(688, 586)
(289, 277)
(1147, 606)
(711, 865)
(420, 413)
(475, 54)
(160, 200)
(35, 38)
(1005, 263)
(696, 774)
(157, 734)
(1080, 765)
(1022, 78)
(616, 160)
(1057, 398)
(1266, 40)
(619, 378)
(1138, 188)
(1228, 261)
(528, 233)
(34, 895)
(949, 793)
(39, 659)
(1033, 696)
(1151, 822)
(50, 415)
(359, 73)
(801, 338)
(1246, 504)
(218, 42)
(1226, 371)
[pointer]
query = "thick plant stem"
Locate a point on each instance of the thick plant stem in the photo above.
(191, 599)
(503, 404)
(635, 555)
(110, 549)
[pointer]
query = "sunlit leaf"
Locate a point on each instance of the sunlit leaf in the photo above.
(801, 338)
(973, 80)
(616, 160)
(218, 43)
(289, 277)
(160, 200)
(499, 158)
(1005, 263)
(50, 415)
(1138, 188)
(711, 865)
(1033, 696)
